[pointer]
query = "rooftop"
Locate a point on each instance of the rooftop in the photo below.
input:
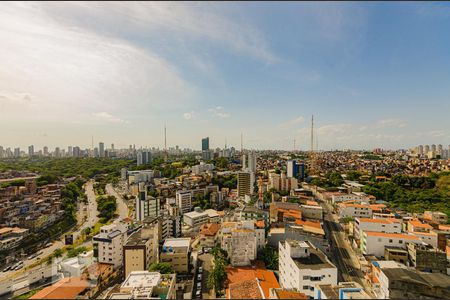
(392, 235)
(178, 243)
(265, 278)
(66, 288)
(137, 279)
(287, 294)
(316, 259)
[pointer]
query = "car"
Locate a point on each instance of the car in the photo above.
(200, 269)
(198, 294)
(48, 245)
(7, 269)
(199, 276)
(200, 252)
(199, 285)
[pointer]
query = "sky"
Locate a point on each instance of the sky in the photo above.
(374, 75)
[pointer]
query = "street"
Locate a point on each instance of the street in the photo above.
(205, 261)
(342, 253)
(122, 207)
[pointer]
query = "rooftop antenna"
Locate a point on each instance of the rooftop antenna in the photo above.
(242, 138)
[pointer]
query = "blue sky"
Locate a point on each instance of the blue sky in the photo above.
(373, 74)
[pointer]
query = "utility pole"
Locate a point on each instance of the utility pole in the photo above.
(165, 142)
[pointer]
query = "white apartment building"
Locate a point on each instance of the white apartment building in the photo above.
(354, 210)
(184, 201)
(108, 244)
(303, 267)
(348, 197)
(195, 218)
(373, 243)
(377, 225)
(241, 240)
(202, 167)
(280, 182)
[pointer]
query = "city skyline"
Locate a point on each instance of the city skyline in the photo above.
(373, 74)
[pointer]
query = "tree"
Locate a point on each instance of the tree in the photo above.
(217, 276)
(163, 268)
(269, 256)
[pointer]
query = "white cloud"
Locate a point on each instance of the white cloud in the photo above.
(293, 122)
(195, 20)
(188, 115)
(104, 116)
(391, 123)
(218, 112)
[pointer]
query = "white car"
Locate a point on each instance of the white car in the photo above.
(200, 269)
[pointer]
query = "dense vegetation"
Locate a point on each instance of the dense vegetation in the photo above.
(163, 268)
(414, 194)
(73, 252)
(52, 168)
(106, 206)
(202, 201)
(332, 179)
(218, 275)
(229, 181)
(269, 256)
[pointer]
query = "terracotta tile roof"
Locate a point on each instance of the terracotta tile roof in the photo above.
(260, 224)
(392, 235)
(66, 288)
(210, 229)
(308, 223)
(247, 289)
(284, 294)
(369, 220)
(417, 223)
(97, 269)
(266, 278)
(444, 227)
(311, 202)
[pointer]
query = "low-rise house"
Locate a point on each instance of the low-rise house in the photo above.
(354, 210)
(378, 225)
(208, 234)
(250, 282)
(427, 258)
(147, 285)
(66, 288)
(74, 267)
(344, 290)
(374, 242)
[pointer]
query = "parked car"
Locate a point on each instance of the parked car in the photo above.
(7, 269)
(199, 277)
(200, 269)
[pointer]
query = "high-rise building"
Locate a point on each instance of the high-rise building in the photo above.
(146, 206)
(101, 147)
(108, 244)
(143, 157)
(30, 151)
(295, 169)
(16, 152)
(1, 152)
(427, 149)
(420, 150)
(243, 184)
(433, 148)
(70, 151)
(45, 151)
(76, 151)
(57, 152)
(205, 144)
(184, 201)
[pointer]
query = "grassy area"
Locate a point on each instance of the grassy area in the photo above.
(29, 294)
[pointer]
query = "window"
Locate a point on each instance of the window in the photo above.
(390, 241)
(400, 241)
(305, 277)
(306, 287)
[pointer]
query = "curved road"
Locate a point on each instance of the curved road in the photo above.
(122, 207)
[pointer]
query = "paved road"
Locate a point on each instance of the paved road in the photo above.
(122, 207)
(205, 260)
(344, 257)
(17, 178)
